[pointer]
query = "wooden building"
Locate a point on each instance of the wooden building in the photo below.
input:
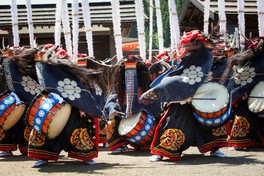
(44, 22)
(191, 15)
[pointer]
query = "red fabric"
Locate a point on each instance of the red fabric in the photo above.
(129, 46)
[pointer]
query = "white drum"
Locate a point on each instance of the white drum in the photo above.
(211, 103)
(139, 128)
(47, 115)
(256, 99)
(131, 124)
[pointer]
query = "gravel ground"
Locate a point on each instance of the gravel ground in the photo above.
(237, 163)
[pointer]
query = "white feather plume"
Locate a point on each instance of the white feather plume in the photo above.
(117, 28)
(260, 4)
(66, 27)
(159, 26)
(241, 23)
(88, 27)
(174, 23)
(30, 24)
(222, 16)
(57, 32)
(141, 28)
(75, 29)
(206, 16)
(150, 28)
(15, 23)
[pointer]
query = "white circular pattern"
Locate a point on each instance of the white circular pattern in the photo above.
(225, 116)
(143, 133)
(244, 76)
(209, 122)
(149, 120)
(192, 75)
(133, 140)
(201, 120)
(38, 121)
(36, 128)
(46, 106)
(147, 127)
(2, 107)
(41, 113)
(217, 121)
(30, 85)
(69, 89)
(6, 101)
(138, 138)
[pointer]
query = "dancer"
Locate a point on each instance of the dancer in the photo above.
(13, 131)
(130, 121)
(178, 130)
(77, 122)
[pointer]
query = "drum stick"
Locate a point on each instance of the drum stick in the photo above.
(255, 97)
(204, 98)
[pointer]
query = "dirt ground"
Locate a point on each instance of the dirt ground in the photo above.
(237, 163)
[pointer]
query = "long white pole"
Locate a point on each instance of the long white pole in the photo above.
(159, 26)
(206, 16)
(241, 23)
(88, 27)
(57, 32)
(141, 28)
(222, 16)
(117, 28)
(66, 27)
(260, 4)
(75, 29)
(174, 24)
(30, 24)
(14, 23)
(150, 28)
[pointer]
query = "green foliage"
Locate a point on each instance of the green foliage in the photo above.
(165, 22)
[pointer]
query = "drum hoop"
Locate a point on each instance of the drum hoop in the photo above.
(220, 108)
(33, 102)
(249, 99)
(212, 122)
(10, 100)
(146, 128)
(42, 112)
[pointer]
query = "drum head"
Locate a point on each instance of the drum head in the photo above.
(210, 97)
(59, 121)
(256, 100)
(127, 124)
(14, 116)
